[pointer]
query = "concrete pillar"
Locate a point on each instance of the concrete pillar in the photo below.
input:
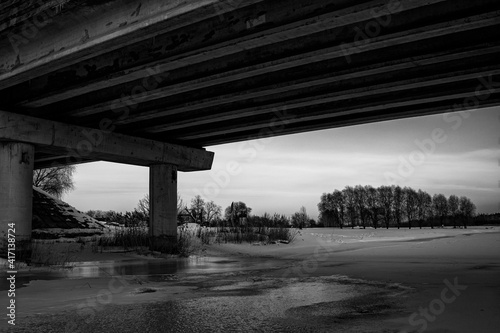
(163, 204)
(16, 192)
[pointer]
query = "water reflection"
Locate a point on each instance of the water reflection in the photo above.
(158, 267)
(138, 267)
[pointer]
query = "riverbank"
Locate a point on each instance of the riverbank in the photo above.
(327, 280)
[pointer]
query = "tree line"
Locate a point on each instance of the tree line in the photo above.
(363, 206)
(387, 206)
(207, 213)
(238, 214)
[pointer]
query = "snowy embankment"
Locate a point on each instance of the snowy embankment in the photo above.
(53, 218)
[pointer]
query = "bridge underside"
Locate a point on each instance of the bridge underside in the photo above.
(207, 72)
(182, 75)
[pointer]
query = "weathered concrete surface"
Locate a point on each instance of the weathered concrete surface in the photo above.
(163, 202)
(80, 143)
(16, 176)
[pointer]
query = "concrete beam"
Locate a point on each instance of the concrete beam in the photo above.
(16, 194)
(281, 33)
(81, 143)
(340, 95)
(41, 46)
(259, 128)
(365, 118)
(288, 63)
(213, 56)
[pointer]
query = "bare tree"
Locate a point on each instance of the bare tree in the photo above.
(350, 204)
(331, 208)
(213, 212)
(454, 208)
(410, 204)
(337, 199)
(236, 212)
(360, 199)
(386, 200)
(326, 210)
(392, 203)
(143, 206)
(398, 205)
(197, 208)
(372, 204)
(300, 219)
(181, 207)
(440, 207)
(56, 180)
(427, 201)
(424, 202)
(467, 210)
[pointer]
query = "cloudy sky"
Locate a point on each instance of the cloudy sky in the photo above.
(457, 153)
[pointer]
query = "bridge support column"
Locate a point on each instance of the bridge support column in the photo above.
(16, 191)
(163, 206)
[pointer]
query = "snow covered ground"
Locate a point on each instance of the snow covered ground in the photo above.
(54, 218)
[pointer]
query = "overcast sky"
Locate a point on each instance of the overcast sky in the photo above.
(450, 154)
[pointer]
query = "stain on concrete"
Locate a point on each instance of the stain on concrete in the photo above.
(254, 22)
(18, 63)
(85, 37)
(208, 36)
(137, 11)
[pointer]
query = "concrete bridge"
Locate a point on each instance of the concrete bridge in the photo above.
(152, 82)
